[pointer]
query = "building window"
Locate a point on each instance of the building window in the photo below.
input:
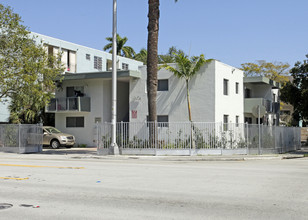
(248, 120)
(261, 120)
(162, 85)
(247, 93)
(226, 82)
(124, 66)
(237, 120)
(88, 56)
(236, 87)
(98, 63)
(74, 91)
(162, 120)
(74, 122)
(226, 119)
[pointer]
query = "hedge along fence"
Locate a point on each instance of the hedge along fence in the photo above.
(198, 138)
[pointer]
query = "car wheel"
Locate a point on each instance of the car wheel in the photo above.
(55, 144)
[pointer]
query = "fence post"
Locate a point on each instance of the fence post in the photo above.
(19, 138)
(79, 104)
(122, 136)
(221, 131)
(156, 136)
(247, 141)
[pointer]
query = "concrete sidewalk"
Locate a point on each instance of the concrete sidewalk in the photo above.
(90, 153)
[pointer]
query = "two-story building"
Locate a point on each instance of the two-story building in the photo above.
(216, 94)
(261, 92)
(83, 97)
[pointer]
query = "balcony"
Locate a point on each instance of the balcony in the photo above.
(270, 107)
(72, 104)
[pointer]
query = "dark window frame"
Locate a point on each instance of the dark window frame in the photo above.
(226, 87)
(225, 122)
(237, 119)
(237, 87)
(161, 123)
(72, 122)
(163, 85)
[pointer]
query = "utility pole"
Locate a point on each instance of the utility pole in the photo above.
(114, 149)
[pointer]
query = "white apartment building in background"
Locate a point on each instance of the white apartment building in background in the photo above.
(83, 98)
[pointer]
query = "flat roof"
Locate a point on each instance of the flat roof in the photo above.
(262, 80)
(101, 75)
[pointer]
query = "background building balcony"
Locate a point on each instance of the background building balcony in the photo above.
(72, 104)
(270, 107)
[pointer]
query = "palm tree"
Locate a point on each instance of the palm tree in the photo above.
(152, 61)
(186, 69)
(170, 56)
(124, 51)
(142, 56)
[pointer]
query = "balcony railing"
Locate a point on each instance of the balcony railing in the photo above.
(270, 107)
(74, 104)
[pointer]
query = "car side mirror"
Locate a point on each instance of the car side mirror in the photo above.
(45, 133)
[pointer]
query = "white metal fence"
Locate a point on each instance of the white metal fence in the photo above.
(185, 138)
(21, 138)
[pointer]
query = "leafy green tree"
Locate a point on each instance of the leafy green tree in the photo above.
(27, 73)
(276, 71)
(124, 51)
(142, 56)
(296, 92)
(186, 69)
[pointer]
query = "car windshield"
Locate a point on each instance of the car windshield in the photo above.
(53, 130)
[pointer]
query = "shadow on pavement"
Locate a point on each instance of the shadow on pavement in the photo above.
(66, 151)
(303, 150)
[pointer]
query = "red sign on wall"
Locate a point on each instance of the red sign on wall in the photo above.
(134, 113)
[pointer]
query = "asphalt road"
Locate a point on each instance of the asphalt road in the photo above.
(134, 189)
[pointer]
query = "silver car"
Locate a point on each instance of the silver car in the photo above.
(55, 138)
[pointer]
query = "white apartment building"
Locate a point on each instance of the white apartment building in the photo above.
(83, 98)
(216, 94)
(261, 91)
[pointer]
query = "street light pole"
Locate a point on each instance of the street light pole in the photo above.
(114, 149)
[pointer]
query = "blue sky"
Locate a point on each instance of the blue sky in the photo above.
(233, 32)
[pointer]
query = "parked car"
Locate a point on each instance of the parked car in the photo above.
(55, 138)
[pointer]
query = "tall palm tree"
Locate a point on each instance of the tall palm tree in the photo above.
(152, 61)
(124, 51)
(186, 69)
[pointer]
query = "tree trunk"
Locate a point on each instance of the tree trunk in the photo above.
(188, 101)
(152, 62)
(192, 128)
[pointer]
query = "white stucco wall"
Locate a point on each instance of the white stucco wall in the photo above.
(84, 65)
(202, 90)
(231, 104)
(100, 93)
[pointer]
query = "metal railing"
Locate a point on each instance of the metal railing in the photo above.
(80, 104)
(199, 136)
(21, 138)
(270, 106)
